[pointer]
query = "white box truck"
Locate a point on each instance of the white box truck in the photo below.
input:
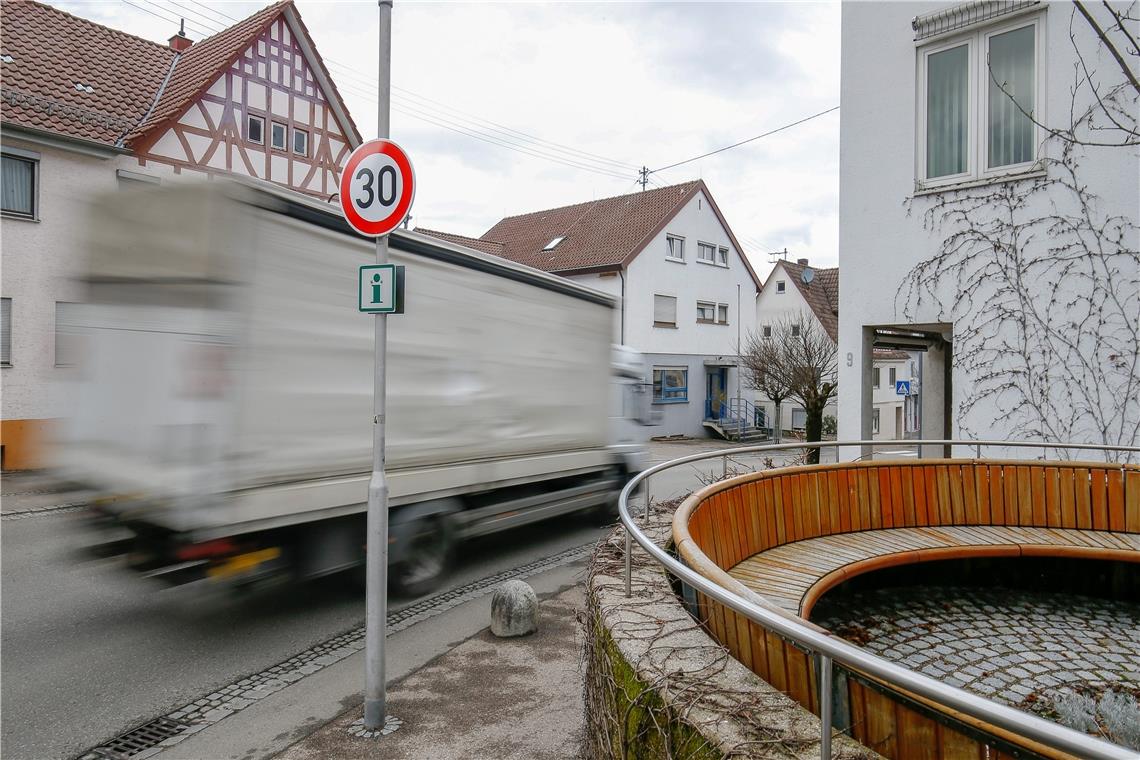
(223, 402)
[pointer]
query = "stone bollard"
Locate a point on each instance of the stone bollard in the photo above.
(514, 610)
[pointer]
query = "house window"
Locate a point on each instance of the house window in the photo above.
(722, 313)
(66, 337)
(795, 331)
(6, 332)
(799, 419)
(18, 185)
(300, 142)
(892, 373)
(875, 377)
(706, 312)
(676, 248)
(706, 252)
(767, 331)
(875, 421)
(780, 286)
(554, 242)
(277, 136)
(670, 385)
(722, 256)
(664, 311)
(255, 129)
(979, 97)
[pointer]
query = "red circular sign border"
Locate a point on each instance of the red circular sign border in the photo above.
(403, 163)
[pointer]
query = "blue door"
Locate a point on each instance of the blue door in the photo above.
(716, 392)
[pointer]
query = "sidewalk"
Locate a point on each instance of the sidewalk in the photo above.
(487, 697)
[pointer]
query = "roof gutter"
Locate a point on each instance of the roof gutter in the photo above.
(58, 140)
(121, 142)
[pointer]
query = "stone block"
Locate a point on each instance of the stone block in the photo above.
(514, 610)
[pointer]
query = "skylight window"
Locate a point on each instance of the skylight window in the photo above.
(6, 58)
(84, 88)
(554, 242)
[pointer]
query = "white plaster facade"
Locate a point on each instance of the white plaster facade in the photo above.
(699, 347)
(1088, 394)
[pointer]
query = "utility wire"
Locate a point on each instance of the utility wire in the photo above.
(744, 142)
(167, 19)
(199, 18)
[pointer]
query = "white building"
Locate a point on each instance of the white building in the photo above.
(796, 288)
(254, 100)
(687, 292)
(973, 226)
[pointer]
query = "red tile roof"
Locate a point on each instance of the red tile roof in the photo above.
(54, 51)
(821, 294)
(202, 63)
(597, 235)
(486, 246)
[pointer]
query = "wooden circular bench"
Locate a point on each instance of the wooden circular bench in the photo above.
(784, 537)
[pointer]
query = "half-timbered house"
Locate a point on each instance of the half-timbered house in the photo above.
(85, 108)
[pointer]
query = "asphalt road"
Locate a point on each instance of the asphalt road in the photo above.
(89, 650)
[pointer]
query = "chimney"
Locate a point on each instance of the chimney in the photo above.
(180, 42)
(802, 262)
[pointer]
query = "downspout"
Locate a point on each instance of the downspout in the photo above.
(158, 96)
(621, 274)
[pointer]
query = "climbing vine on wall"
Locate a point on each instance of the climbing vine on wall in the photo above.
(1040, 279)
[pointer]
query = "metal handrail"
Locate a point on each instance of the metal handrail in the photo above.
(831, 648)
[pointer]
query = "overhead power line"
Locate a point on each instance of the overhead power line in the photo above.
(744, 142)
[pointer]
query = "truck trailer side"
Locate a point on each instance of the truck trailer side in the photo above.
(224, 404)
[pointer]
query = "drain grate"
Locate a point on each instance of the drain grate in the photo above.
(155, 736)
(137, 741)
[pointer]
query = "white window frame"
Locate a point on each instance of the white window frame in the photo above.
(977, 103)
(297, 132)
(719, 307)
(250, 118)
(781, 286)
(284, 146)
(722, 256)
(34, 159)
(766, 331)
(663, 323)
(703, 247)
(709, 306)
(670, 240)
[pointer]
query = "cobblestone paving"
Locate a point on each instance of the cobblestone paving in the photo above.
(1001, 644)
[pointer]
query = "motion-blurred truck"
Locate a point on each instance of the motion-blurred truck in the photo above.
(222, 406)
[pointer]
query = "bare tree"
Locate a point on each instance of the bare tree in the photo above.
(800, 361)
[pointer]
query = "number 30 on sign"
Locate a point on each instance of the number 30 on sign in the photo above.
(377, 187)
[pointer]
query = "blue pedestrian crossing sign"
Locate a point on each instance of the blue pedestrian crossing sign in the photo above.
(902, 387)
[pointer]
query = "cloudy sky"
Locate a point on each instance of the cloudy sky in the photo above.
(509, 108)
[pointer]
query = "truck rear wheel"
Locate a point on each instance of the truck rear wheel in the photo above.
(427, 559)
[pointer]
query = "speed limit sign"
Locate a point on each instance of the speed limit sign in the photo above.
(377, 187)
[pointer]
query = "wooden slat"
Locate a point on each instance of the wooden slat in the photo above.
(799, 682)
(731, 519)
(945, 513)
(809, 503)
(882, 729)
(1053, 516)
(743, 641)
(921, 505)
(906, 483)
(874, 498)
(848, 500)
(957, 500)
(918, 735)
(857, 704)
(1115, 499)
(1039, 495)
(898, 508)
(759, 650)
(1084, 497)
(997, 494)
(792, 521)
(777, 673)
(863, 500)
(1132, 500)
(982, 492)
(886, 498)
(771, 510)
(1098, 486)
(970, 495)
(1067, 497)
(1024, 497)
(834, 522)
(954, 744)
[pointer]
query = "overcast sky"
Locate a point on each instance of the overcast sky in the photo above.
(609, 86)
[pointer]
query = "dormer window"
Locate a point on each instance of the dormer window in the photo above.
(551, 245)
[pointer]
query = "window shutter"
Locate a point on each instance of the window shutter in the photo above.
(665, 309)
(5, 330)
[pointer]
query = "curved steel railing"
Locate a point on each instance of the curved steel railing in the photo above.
(831, 648)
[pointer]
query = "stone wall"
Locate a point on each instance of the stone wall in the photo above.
(658, 687)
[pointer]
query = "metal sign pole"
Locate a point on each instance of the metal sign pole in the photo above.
(376, 538)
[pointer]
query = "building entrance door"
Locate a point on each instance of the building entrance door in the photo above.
(716, 392)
